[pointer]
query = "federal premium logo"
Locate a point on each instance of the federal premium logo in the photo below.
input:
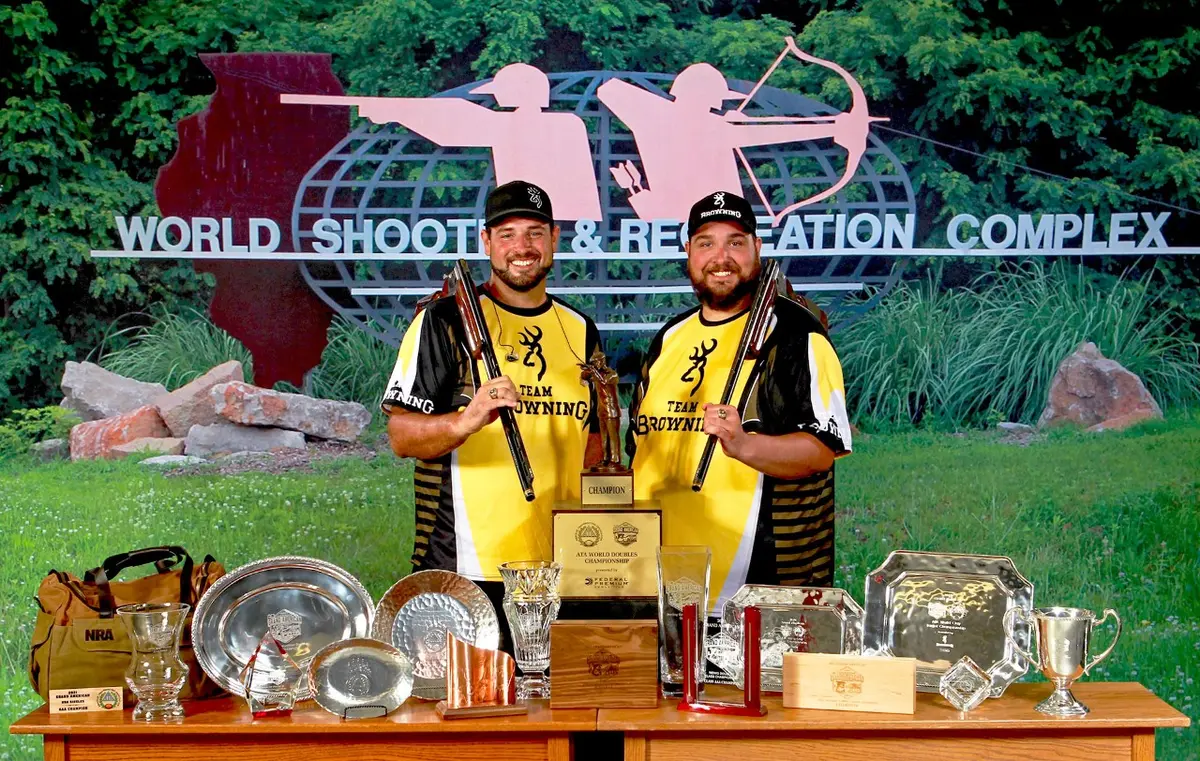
(588, 534)
(531, 339)
(604, 663)
(699, 359)
(625, 533)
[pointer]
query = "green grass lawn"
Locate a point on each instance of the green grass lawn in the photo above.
(1093, 521)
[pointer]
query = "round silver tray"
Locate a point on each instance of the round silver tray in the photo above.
(306, 603)
(360, 678)
(937, 607)
(418, 611)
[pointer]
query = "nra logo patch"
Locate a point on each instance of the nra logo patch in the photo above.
(98, 635)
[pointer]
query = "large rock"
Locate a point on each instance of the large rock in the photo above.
(1089, 389)
(97, 438)
(322, 418)
(51, 449)
(95, 393)
(148, 446)
(193, 404)
(221, 438)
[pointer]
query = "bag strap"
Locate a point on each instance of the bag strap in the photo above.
(164, 559)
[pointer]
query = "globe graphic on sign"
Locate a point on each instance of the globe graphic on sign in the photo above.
(383, 172)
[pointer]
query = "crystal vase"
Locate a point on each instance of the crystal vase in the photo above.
(531, 604)
(156, 674)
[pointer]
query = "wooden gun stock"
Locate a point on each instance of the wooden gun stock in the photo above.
(758, 326)
(479, 343)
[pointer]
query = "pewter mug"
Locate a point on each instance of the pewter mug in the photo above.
(1063, 642)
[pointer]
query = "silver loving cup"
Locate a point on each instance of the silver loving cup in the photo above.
(1063, 640)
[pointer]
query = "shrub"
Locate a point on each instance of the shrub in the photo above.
(967, 357)
(175, 348)
(24, 428)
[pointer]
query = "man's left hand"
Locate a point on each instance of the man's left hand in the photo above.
(723, 421)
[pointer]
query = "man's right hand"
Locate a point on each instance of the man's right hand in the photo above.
(486, 404)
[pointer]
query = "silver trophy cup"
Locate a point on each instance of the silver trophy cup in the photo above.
(1063, 642)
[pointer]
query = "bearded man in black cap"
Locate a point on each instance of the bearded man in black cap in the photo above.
(471, 514)
(766, 509)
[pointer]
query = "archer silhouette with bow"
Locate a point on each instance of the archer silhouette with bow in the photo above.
(688, 150)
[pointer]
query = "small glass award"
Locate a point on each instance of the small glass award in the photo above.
(270, 679)
(964, 685)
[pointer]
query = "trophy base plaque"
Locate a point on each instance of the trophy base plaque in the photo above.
(613, 486)
(607, 551)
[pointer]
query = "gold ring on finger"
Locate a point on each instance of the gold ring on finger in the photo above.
(721, 413)
(493, 393)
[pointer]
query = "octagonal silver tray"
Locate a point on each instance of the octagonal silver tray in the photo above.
(306, 603)
(417, 612)
(360, 677)
(937, 607)
(794, 619)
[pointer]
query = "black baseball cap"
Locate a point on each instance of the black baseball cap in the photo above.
(517, 199)
(722, 207)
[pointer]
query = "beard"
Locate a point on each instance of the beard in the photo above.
(521, 282)
(725, 296)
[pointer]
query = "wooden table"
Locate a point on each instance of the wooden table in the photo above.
(222, 730)
(1120, 726)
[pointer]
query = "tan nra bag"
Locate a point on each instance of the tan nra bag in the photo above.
(78, 640)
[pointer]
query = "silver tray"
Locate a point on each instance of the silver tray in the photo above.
(938, 607)
(360, 678)
(794, 619)
(418, 611)
(306, 603)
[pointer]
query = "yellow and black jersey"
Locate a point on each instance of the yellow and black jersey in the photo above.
(760, 529)
(471, 515)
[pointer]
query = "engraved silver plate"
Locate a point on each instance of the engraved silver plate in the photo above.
(363, 677)
(794, 620)
(306, 603)
(418, 611)
(938, 607)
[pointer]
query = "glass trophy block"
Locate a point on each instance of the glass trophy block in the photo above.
(965, 686)
(271, 679)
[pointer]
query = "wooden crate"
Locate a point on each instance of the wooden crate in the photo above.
(604, 664)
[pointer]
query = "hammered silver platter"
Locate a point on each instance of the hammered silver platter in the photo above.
(360, 677)
(794, 620)
(937, 607)
(418, 611)
(306, 603)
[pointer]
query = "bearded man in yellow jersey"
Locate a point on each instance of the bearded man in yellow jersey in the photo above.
(766, 509)
(471, 514)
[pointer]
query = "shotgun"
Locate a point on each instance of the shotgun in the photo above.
(771, 283)
(479, 344)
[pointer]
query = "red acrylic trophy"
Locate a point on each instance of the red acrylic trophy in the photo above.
(751, 666)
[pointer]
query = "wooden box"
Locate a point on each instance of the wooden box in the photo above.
(604, 664)
(849, 683)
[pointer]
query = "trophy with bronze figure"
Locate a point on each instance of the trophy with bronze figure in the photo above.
(606, 540)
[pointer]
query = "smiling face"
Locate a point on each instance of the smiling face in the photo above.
(521, 251)
(723, 264)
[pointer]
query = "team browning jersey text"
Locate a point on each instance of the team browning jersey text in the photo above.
(471, 515)
(760, 529)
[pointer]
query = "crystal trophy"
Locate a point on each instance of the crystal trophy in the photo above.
(682, 580)
(964, 685)
(531, 604)
(156, 674)
(270, 679)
